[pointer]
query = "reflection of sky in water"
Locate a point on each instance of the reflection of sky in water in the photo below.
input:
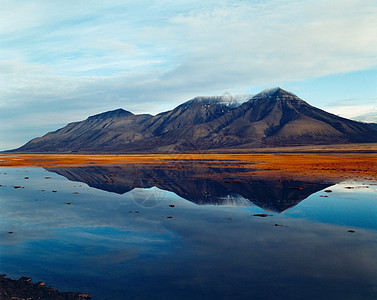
(113, 245)
(355, 206)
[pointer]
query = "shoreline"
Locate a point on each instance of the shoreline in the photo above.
(24, 288)
(314, 166)
(333, 148)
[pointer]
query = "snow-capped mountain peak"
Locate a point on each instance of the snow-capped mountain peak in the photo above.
(225, 99)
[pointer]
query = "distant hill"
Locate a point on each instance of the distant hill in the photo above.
(272, 118)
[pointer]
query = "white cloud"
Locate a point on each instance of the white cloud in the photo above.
(364, 113)
(283, 41)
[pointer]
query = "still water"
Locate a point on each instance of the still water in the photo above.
(139, 232)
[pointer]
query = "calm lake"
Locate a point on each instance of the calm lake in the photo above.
(142, 232)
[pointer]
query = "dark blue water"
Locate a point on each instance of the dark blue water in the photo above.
(117, 240)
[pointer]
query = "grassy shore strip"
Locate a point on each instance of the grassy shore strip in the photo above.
(294, 166)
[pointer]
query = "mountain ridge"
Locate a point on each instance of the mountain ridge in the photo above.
(273, 117)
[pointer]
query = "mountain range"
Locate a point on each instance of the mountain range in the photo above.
(272, 118)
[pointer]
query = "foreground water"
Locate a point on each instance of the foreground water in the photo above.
(138, 233)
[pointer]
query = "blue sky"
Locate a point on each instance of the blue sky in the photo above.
(61, 61)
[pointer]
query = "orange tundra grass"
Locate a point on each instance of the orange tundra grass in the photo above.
(289, 166)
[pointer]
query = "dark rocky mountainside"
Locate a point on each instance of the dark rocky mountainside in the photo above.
(272, 118)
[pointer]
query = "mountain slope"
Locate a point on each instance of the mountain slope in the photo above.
(277, 118)
(274, 117)
(97, 133)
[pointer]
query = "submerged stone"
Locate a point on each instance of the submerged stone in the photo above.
(262, 215)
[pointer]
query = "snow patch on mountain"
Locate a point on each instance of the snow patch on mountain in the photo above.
(269, 91)
(226, 99)
(278, 93)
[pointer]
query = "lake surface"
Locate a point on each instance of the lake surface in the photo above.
(142, 232)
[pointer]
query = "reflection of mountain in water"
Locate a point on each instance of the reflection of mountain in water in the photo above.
(197, 183)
